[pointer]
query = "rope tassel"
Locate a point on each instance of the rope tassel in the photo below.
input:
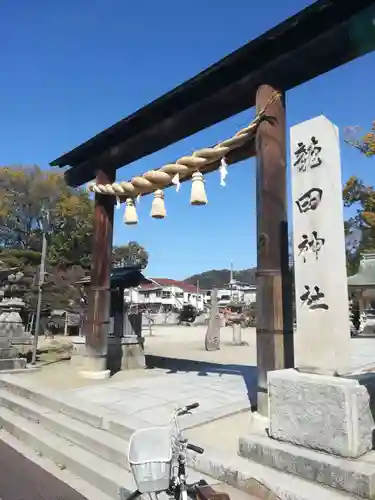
(198, 194)
(158, 206)
(130, 217)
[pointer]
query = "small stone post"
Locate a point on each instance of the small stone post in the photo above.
(212, 339)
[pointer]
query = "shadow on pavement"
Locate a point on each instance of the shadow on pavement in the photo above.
(204, 368)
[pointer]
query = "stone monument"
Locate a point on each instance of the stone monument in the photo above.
(323, 331)
(320, 424)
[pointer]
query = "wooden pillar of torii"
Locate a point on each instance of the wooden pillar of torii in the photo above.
(274, 330)
(274, 306)
(97, 325)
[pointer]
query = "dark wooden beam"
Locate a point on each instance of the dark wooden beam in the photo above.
(97, 326)
(327, 34)
(274, 328)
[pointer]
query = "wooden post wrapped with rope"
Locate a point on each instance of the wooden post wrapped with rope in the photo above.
(96, 327)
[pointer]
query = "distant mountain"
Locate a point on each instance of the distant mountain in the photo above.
(219, 278)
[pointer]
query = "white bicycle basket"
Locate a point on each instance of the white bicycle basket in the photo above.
(150, 458)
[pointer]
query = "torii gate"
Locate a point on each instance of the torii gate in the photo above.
(323, 36)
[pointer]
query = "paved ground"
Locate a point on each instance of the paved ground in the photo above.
(224, 382)
(21, 479)
(188, 343)
(152, 400)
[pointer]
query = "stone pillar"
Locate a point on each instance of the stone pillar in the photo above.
(97, 327)
(314, 408)
(321, 289)
(274, 306)
(212, 337)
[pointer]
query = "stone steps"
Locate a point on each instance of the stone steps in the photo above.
(354, 476)
(102, 474)
(75, 438)
(93, 446)
(100, 442)
(262, 481)
(90, 444)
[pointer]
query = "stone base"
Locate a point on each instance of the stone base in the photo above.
(125, 353)
(77, 359)
(356, 477)
(330, 414)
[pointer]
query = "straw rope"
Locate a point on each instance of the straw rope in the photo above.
(184, 167)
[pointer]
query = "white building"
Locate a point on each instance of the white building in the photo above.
(163, 295)
(233, 292)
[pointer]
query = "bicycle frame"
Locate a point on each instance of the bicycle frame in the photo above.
(178, 489)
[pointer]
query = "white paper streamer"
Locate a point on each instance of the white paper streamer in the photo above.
(223, 172)
(138, 199)
(176, 182)
(118, 203)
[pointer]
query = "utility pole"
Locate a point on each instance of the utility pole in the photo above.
(42, 272)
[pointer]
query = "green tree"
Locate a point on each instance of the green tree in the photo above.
(70, 241)
(130, 254)
(28, 192)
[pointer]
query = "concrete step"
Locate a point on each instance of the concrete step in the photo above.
(100, 442)
(78, 439)
(106, 476)
(71, 406)
(354, 476)
(49, 400)
(261, 481)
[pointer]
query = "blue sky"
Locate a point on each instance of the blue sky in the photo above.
(70, 69)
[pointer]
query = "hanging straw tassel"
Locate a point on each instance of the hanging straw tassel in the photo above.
(130, 217)
(158, 207)
(198, 193)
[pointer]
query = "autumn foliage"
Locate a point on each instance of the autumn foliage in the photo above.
(368, 142)
(360, 228)
(365, 143)
(27, 194)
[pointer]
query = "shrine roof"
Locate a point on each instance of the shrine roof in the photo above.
(126, 276)
(365, 276)
(321, 37)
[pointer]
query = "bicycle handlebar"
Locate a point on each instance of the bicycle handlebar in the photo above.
(195, 448)
(187, 409)
(192, 406)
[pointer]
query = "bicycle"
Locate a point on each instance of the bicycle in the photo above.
(158, 462)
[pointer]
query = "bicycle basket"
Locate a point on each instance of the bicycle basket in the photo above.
(150, 458)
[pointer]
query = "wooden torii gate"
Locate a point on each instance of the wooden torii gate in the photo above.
(323, 36)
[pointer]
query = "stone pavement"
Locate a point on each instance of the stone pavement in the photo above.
(152, 400)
